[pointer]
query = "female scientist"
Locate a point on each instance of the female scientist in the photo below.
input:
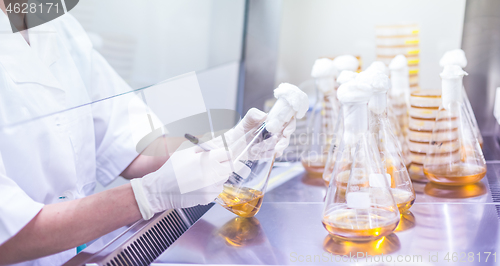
(49, 168)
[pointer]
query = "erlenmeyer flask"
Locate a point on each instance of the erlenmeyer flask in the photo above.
(359, 205)
(472, 117)
(387, 143)
(457, 57)
(454, 156)
(399, 94)
(253, 154)
(379, 66)
(345, 76)
(400, 136)
(321, 121)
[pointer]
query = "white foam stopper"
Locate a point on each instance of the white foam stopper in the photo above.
(358, 200)
(346, 76)
(346, 62)
(451, 82)
(323, 67)
(454, 57)
(377, 80)
(379, 180)
(354, 91)
(398, 62)
(378, 66)
(325, 84)
(400, 77)
(380, 85)
(291, 102)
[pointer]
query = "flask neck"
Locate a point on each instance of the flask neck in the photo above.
(281, 113)
(451, 90)
(400, 82)
(325, 85)
(355, 120)
(242, 149)
(378, 103)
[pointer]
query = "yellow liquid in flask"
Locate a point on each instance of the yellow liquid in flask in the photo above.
(351, 225)
(314, 165)
(244, 202)
(456, 175)
(404, 199)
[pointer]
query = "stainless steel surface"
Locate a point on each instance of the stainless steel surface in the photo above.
(481, 43)
(288, 229)
(282, 232)
(260, 53)
(142, 242)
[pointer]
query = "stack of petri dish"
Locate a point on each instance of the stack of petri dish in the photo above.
(396, 39)
(424, 106)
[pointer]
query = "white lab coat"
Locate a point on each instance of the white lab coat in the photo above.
(65, 153)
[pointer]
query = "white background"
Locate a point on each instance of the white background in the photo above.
(316, 28)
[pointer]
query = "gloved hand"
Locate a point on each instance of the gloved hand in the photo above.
(252, 121)
(190, 177)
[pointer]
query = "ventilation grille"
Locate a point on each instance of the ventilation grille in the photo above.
(495, 190)
(153, 242)
(194, 213)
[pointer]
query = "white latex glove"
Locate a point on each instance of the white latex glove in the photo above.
(252, 121)
(190, 177)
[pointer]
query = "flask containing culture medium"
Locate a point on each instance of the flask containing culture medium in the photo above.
(253, 154)
(387, 142)
(321, 120)
(457, 57)
(344, 77)
(399, 94)
(359, 205)
(454, 157)
(325, 112)
(391, 115)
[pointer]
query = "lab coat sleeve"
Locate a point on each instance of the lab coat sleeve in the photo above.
(115, 148)
(16, 207)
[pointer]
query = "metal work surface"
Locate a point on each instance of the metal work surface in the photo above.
(445, 227)
(142, 242)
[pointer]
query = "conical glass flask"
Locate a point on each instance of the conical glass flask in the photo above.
(457, 57)
(345, 76)
(379, 66)
(454, 157)
(321, 120)
(253, 154)
(400, 136)
(387, 142)
(399, 94)
(472, 117)
(359, 205)
(244, 191)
